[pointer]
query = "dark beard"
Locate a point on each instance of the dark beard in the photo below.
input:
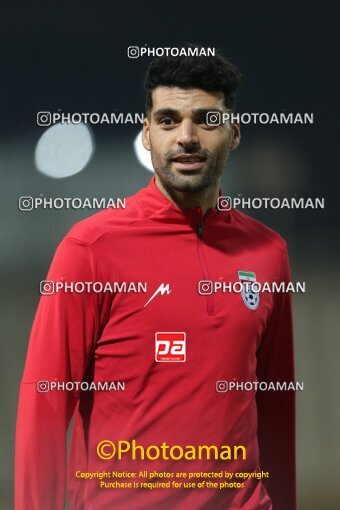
(191, 181)
(185, 183)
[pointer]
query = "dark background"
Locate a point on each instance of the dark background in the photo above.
(75, 59)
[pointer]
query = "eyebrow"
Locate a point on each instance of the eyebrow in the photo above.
(195, 111)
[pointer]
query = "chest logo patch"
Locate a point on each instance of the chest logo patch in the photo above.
(170, 347)
(250, 296)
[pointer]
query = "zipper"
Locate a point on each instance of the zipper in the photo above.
(209, 297)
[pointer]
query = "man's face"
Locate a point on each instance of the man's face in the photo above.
(187, 154)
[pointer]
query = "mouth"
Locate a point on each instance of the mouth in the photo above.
(189, 161)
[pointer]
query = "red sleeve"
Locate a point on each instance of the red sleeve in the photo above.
(63, 337)
(276, 409)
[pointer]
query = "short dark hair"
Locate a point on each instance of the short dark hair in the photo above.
(208, 73)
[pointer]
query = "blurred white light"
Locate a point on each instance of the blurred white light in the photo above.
(64, 150)
(143, 156)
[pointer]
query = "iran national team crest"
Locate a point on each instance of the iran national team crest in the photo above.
(250, 298)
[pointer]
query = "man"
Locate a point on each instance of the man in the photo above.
(173, 346)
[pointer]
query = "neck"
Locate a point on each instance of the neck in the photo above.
(205, 199)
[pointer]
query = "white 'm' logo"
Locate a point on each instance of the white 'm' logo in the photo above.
(161, 289)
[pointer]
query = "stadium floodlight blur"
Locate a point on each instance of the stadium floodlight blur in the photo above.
(64, 150)
(143, 156)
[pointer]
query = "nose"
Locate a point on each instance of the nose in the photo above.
(187, 135)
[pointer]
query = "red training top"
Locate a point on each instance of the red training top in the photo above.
(170, 393)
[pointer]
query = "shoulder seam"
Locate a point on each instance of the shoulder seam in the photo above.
(117, 227)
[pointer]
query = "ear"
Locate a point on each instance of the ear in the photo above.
(146, 134)
(236, 136)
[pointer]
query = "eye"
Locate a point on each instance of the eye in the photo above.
(202, 121)
(167, 122)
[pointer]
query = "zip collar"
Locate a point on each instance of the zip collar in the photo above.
(154, 203)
